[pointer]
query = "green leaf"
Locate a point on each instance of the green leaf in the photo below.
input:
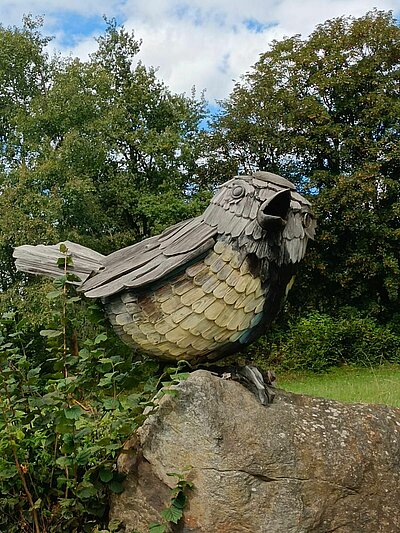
(53, 294)
(64, 461)
(86, 455)
(59, 283)
(172, 514)
(171, 392)
(73, 413)
(100, 338)
(63, 248)
(8, 473)
(175, 474)
(181, 376)
(116, 486)
(50, 333)
(180, 500)
(105, 382)
(130, 401)
(105, 475)
(74, 299)
(111, 404)
(157, 528)
(86, 490)
(33, 373)
(8, 316)
(104, 441)
(61, 262)
(72, 278)
(37, 504)
(19, 434)
(84, 354)
(64, 426)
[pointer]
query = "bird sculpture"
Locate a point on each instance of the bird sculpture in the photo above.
(205, 287)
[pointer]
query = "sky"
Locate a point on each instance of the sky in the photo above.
(199, 43)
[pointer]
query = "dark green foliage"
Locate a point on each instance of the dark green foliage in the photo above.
(65, 414)
(318, 341)
(99, 152)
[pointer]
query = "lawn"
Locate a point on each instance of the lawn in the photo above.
(347, 384)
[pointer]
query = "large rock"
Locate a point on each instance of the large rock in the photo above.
(301, 464)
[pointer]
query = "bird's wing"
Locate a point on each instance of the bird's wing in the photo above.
(153, 259)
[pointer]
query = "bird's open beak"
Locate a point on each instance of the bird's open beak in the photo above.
(274, 211)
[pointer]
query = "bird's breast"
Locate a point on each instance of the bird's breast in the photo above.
(212, 304)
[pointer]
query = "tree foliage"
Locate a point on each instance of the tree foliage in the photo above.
(97, 151)
(325, 112)
(65, 412)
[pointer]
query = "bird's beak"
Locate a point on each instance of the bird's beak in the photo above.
(274, 211)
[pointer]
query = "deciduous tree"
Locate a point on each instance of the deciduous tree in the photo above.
(99, 151)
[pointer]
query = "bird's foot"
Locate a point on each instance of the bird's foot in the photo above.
(249, 376)
(261, 386)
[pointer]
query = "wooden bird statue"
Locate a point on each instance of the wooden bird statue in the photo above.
(205, 287)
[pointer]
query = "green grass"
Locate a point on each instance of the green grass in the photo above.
(347, 384)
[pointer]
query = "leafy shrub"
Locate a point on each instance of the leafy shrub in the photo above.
(64, 416)
(318, 341)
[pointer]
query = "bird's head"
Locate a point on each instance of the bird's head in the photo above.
(263, 214)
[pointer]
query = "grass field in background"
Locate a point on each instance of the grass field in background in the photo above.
(347, 384)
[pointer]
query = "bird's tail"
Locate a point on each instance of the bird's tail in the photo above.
(44, 260)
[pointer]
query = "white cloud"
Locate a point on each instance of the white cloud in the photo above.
(203, 42)
(208, 58)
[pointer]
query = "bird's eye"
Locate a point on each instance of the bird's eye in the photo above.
(307, 219)
(237, 192)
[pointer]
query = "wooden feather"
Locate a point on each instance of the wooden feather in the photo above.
(210, 284)
(213, 214)
(238, 225)
(42, 260)
(227, 253)
(270, 177)
(300, 199)
(180, 314)
(154, 270)
(225, 272)
(201, 305)
(247, 206)
(191, 236)
(221, 290)
(173, 230)
(200, 326)
(231, 296)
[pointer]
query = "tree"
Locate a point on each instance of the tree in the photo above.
(325, 112)
(97, 151)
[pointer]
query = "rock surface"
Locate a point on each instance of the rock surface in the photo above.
(299, 465)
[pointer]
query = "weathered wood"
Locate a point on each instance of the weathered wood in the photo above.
(187, 239)
(270, 177)
(42, 260)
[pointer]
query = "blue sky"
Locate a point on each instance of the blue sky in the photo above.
(202, 43)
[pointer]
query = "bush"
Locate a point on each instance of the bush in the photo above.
(65, 412)
(318, 341)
